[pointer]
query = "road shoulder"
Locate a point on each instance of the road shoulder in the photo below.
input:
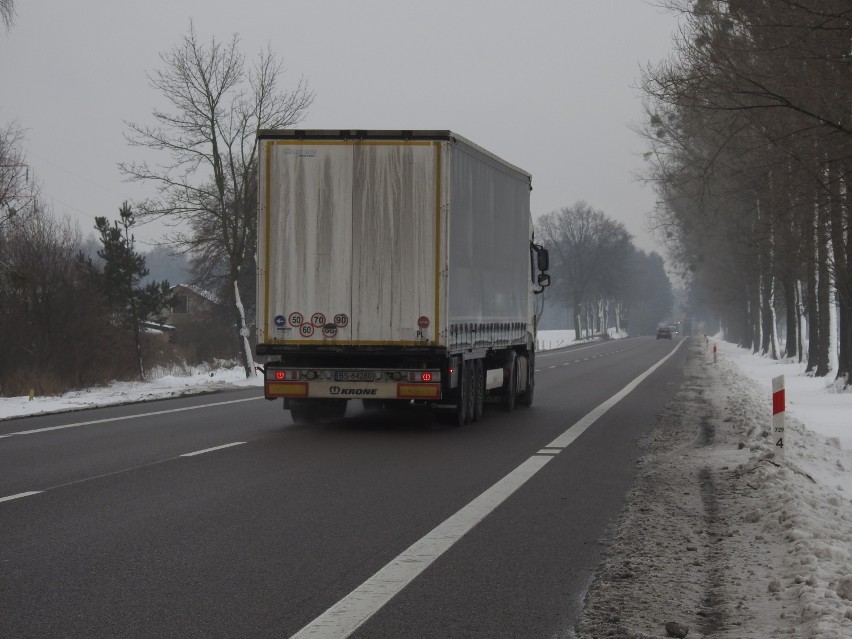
(691, 548)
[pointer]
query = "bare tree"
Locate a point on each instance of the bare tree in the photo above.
(588, 248)
(749, 136)
(55, 328)
(7, 13)
(15, 183)
(208, 185)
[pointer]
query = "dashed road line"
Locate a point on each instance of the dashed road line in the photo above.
(585, 359)
(19, 495)
(126, 417)
(210, 450)
(118, 472)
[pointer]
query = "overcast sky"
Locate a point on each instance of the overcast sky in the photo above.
(549, 85)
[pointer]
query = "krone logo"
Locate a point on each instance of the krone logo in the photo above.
(358, 392)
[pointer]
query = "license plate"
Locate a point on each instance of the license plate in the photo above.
(354, 376)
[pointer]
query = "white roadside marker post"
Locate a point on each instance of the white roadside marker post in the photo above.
(778, 409)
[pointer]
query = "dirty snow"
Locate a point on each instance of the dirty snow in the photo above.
(718, 536)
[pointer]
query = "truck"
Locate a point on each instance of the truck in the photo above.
(394, 267)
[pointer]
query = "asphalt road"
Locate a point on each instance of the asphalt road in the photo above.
(122, 522)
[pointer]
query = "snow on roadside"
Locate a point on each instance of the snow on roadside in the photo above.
(163, 384)
(808, 497)
(718, 535)
(816, 401)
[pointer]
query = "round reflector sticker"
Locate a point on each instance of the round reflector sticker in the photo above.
(423, 321)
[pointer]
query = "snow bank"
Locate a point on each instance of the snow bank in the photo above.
(719, 535)
(162, 384)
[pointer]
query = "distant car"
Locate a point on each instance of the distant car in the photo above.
(664, 332)
(673, 328)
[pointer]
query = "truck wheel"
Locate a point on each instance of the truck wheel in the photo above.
(303, 413)
(469, 377)
(459, 416)
(478, 390)
(526, 398)
(333, 409)
(510, 384)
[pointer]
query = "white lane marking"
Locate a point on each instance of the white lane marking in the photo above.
(551, 353)
(569, 436)
(208, 450)
(117, 472)
(19, 495)
(348, 614)
(574, 350)
(343, 618)
(118, 419)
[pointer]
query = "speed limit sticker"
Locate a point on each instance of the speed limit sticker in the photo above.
(306, 330)
(318, 319)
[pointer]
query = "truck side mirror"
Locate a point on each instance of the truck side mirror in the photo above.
(543, 260)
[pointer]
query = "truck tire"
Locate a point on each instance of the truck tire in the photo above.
(333, 409)
(303, 412)
(463, 400)
(526, 398)
(469, 376)
(478, 390)
(510, 385)
(315, 411)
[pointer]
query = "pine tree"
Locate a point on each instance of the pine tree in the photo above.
(132, 304)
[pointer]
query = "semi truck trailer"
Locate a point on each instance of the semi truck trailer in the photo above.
(396, 268)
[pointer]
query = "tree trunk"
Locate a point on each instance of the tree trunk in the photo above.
(799, 321)
(768, 344)
(811, 306)
(138, 342)
(823, 294)
(788, 285)
(839, 227)
(755, 314)
(240, 317)
(747, 329)
(577, 313)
